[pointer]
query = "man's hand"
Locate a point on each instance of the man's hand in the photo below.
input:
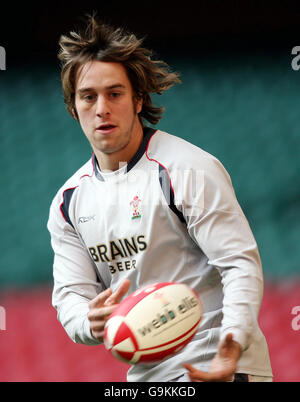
(102, 306)
(223, 365)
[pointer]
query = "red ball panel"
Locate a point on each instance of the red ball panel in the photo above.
(124, 332)
(124, 356)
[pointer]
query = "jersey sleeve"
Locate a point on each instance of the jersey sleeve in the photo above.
(218, 225)
(75, 279)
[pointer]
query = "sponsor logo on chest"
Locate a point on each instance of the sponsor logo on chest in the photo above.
(121, 249)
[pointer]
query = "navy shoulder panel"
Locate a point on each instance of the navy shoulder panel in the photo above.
(64, 207)
(165, 183)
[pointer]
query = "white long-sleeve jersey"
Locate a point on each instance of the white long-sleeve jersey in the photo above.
(170, 214)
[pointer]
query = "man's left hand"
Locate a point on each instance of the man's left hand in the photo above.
(223, 365)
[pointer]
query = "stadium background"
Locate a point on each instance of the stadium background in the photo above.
(239, 100)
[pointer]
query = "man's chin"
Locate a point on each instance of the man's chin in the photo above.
(109, 149)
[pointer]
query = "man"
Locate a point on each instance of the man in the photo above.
(150, 207)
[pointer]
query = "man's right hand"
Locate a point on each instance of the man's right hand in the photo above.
(102, 306)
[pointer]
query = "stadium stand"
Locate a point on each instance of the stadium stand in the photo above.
(244, 110)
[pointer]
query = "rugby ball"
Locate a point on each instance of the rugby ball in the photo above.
(153, 323)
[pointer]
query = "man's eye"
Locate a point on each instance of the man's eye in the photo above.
(115, 94)
(89, 98)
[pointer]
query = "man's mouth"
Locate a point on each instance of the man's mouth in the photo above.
(106, 128)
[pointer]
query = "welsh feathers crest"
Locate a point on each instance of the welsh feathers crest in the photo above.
(135, 207)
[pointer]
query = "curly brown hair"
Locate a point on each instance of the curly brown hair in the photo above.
(102, 42)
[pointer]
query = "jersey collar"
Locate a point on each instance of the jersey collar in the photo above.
(148, 132)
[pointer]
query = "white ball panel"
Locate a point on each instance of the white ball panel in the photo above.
(112, 328)
(125, 346)
(157, 318)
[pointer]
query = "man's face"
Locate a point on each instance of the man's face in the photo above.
(105, 107)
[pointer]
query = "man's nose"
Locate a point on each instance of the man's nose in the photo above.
(102, 108)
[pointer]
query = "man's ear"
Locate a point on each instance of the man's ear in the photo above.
(74, 114)
(139, 105)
